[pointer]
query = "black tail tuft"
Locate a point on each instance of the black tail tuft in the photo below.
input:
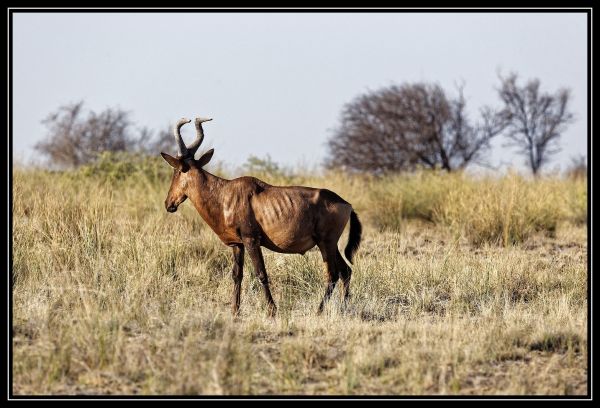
(354, 237)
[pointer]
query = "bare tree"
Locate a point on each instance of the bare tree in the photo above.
(401, 127)
(537, 119)
(152, 142)
(74, 139)
(63, 143)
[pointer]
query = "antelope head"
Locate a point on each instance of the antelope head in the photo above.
(184, 165)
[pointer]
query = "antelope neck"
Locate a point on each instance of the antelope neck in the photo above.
(205, 194)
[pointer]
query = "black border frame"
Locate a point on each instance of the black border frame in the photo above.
(587, 9)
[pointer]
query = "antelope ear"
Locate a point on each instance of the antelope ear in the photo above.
(205, 158)
(173, 161)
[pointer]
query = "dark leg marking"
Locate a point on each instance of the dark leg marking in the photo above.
(237, 273)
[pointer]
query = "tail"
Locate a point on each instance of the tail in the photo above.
(354, 237)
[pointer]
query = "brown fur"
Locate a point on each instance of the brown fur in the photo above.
(247, 213)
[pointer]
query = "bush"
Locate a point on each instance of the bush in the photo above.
(266, 168)
(116, 166)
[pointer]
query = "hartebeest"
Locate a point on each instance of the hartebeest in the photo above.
(247, 213)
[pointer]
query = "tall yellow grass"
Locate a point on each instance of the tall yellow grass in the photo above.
(462, 286)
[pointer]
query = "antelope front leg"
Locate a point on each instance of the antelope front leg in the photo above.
(237, 273)
(253, 248)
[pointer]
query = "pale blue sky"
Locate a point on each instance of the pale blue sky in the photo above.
(276, 82)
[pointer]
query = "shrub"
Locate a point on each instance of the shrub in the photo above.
(114, 166)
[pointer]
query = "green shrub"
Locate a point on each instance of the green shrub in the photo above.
(110, 166)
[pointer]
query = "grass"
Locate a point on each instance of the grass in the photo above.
(113, 295)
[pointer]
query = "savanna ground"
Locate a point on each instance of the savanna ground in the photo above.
(462, 285)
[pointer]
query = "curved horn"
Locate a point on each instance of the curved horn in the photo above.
(183, 151)
(199, 135)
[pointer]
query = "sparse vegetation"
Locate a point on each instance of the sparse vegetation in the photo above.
(463, 285)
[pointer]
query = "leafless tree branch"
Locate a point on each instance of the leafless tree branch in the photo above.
(536, 119)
